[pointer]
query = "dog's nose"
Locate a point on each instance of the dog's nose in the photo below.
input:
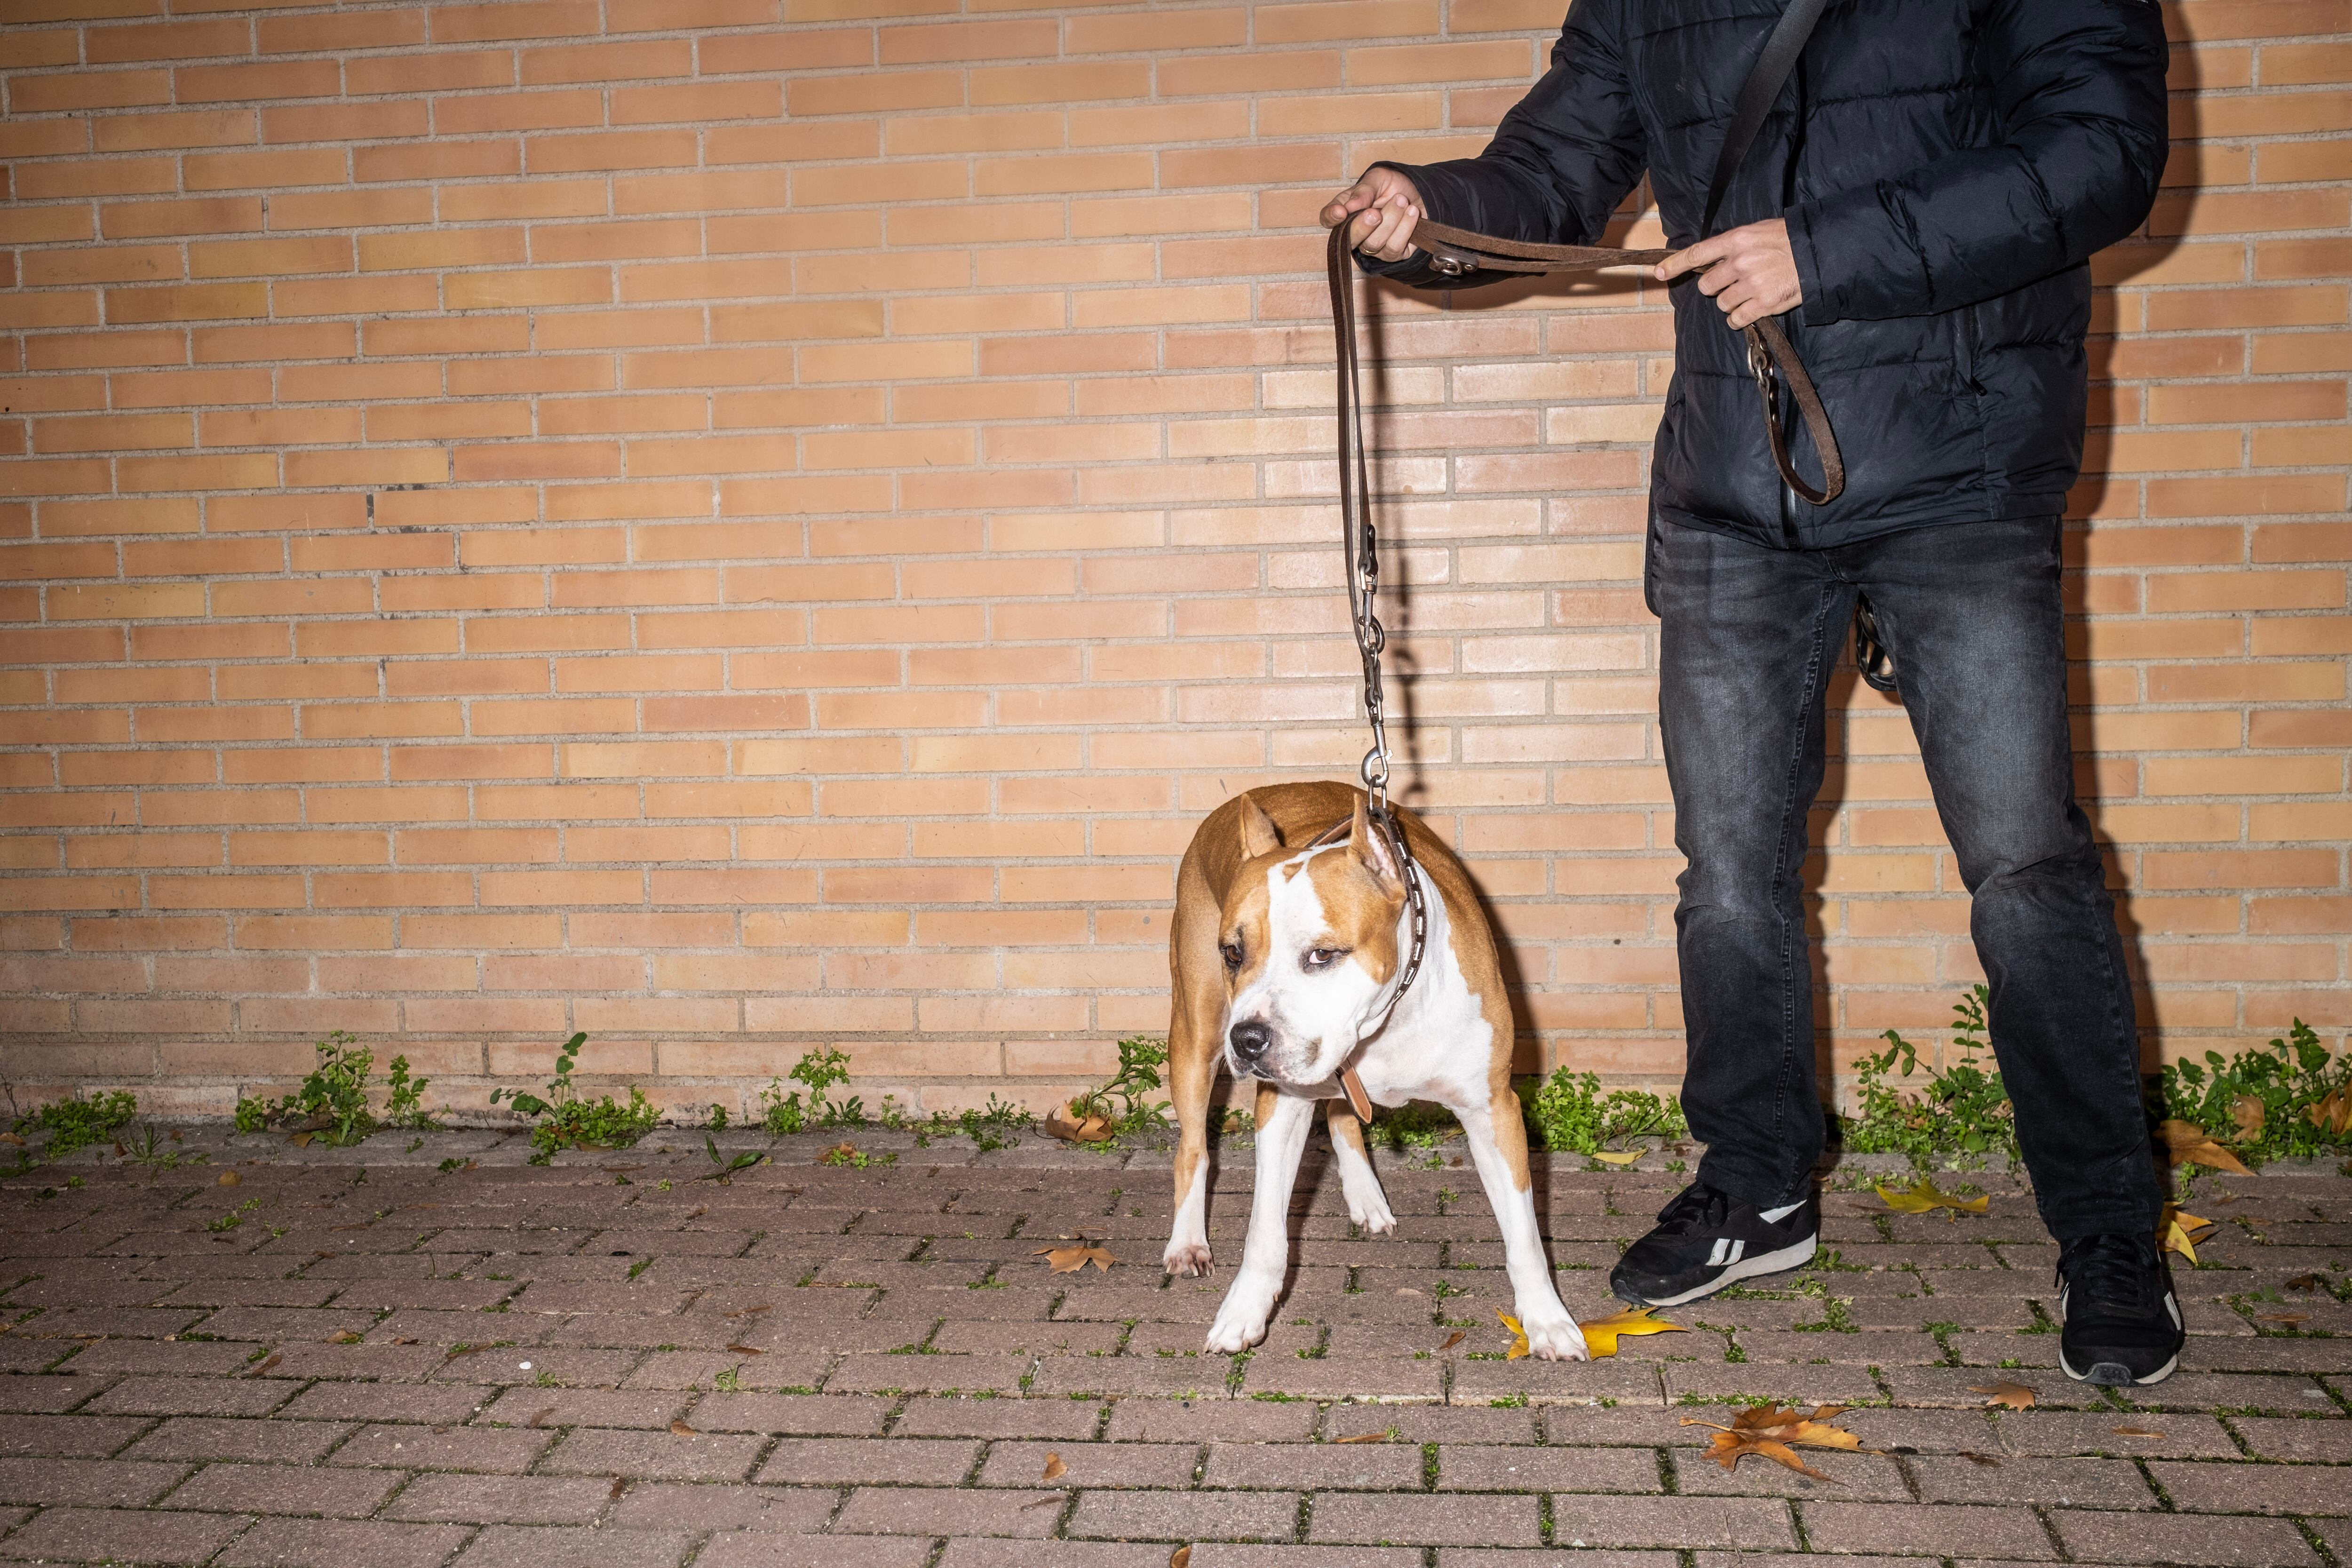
(1250, 1039)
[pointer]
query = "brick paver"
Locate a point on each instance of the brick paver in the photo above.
(870, 1369)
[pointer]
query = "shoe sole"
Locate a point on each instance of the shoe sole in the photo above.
(2115, 1374)
(1793, 1256)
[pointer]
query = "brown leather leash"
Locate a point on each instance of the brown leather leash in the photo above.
(1457, 253)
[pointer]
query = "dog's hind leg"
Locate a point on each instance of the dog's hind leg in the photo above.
(1368, 1207)
(1282, 1130)
(1190, 1079)
(1194, 1048)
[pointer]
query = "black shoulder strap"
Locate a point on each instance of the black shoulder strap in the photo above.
(1755, 98)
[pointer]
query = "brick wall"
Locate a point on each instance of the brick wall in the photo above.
(734, 524)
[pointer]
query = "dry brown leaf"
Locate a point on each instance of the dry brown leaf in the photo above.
(747, 1349)
(2333, 1112)
(679, 1428)
(1054, 1469)
(1380, 1437)
(1065, 1124)
(1071, 1259)
(538, 1417)
(1600, 1335)
(2134, 1431)
(344, 1337)
(2015, 1396)
(1776, 1434)
(15, 1141)
(751, 1311)
(2307, 1282)
(619, 1486)
(2286, 1320)
(2247, 1114)
(1926, 1195)
(229, 1179)
(300, 1139)
(1983, 1461)
(1518, 1336)
(274, 1359)
(1181, 1558)
(1455, 1338)
(2190, 1144)
(2179, 1231)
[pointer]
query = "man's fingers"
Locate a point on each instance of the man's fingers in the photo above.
(1387, 241)
(1354, 199)
(1690, 259)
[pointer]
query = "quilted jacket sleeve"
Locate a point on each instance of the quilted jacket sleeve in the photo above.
(1561, 161)
(2078, 87)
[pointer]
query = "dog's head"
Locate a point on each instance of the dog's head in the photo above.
(1309, 942)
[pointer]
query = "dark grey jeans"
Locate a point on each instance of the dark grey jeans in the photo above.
(1972, 616)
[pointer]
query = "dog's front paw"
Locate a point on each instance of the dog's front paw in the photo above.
(1372, 1214)
(1237, 1328)
(1187, 1259)
(1553, 1335)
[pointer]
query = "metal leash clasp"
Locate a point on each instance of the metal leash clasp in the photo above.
(1760, 365)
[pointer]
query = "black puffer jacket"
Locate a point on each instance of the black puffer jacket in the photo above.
(1945, 166)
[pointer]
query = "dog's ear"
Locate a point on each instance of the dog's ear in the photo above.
(1366, 844)
(1259, 834)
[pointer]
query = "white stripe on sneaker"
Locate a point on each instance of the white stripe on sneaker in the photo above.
(1748, 1266)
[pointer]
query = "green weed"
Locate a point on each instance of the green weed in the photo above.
(783, 1113)
(1962, 1110)
(1568, 1113)
(330, 1105)
(1125, 1101)
(2281, 1099)
(76, 1123)
(565, 1120)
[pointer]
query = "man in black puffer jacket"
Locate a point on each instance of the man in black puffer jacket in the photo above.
(1917, 210)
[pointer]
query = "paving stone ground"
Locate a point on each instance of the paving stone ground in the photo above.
(423, 1351)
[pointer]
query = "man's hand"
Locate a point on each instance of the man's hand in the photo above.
(1750, 270)
(1380, 210)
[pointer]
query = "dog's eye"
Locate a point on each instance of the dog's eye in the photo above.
(1232, 951)
(1321, 957)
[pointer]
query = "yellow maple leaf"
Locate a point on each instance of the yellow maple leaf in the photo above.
(2179, 1232)
(1925, 1195)
(1600, 1334)
(1518, 1336)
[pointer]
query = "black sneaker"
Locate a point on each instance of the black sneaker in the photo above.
(1705, 1240)
(2122, 1321)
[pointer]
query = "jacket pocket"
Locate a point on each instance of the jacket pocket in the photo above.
(1964, 350)
(1651, 543)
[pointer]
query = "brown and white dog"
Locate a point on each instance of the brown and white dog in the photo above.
(1281, 955)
